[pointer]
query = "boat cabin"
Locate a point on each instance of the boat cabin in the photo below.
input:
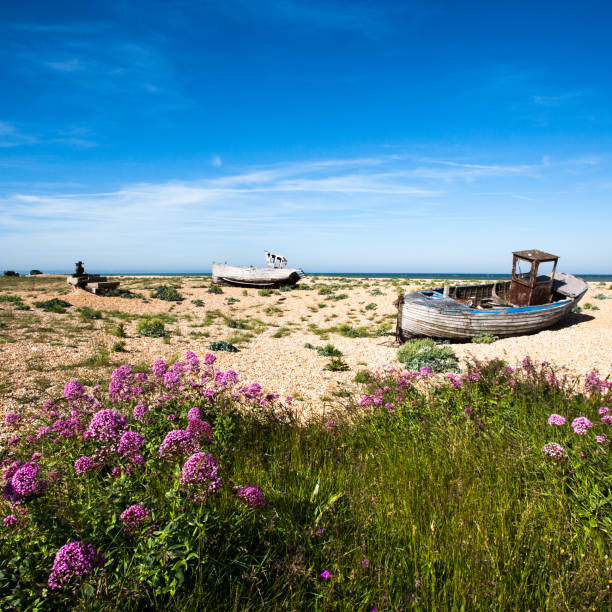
(533, 273)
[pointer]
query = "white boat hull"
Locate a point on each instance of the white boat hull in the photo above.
(224, 274)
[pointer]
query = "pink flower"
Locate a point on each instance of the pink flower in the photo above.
(251, 496)
(603, 410)
(72, 560)
(554, 450)
(82, 464)
(325, 575)
(581, 424)
(133, 517)
(11, 418)
(139, 412)
(556, 419)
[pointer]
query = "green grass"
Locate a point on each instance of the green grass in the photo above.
(337, 364)
(439, 500)
(484, 339)
(281, 332)
(89, 314)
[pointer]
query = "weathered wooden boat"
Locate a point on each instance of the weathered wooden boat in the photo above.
(272, 276)
(523, 305)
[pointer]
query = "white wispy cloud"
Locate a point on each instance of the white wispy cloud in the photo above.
(295, 205)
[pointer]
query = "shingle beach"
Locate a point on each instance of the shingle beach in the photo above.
(40, 351)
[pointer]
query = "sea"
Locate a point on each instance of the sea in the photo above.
(459, 276)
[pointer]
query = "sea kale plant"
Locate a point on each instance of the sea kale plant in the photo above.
(185, 488)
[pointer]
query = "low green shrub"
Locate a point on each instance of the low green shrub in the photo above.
(198, 303)
(231, 300)
(371, 306)
(589, 306)
(352, 332)
(167, 293)
(53, 305)
(337, 364)
(236, 324)
(118, 347)
(485, 338)
(214, 289)
(364, 377)
(329, 350)
(221, 345)
(423, 353)
(89, 314)
(264, 292)
(576, 309)
(601, 296)
(117, 330)
(152, 328)
(325, 290)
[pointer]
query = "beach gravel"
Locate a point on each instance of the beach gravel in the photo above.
(40, 351)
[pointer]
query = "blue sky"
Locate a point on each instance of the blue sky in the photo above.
(348, 136)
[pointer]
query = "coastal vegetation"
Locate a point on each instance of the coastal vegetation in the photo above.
(181, 487)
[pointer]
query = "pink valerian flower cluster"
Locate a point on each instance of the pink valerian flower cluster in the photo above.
(125, 384)
(192, 363)
(554, 450)
(77, 398)
(556, 419)
(594, 384)
(160, 367)
(73, 390)
(133, 518)
(553, 381)
(194, 413)
(200, 430)
(129, 443)
(26, 481)
(200, 476)
(72, 560)
(83, 464)
(225, 379)
(580, 425)
(178, 443)
(12, 418)
(140, 412)
(601, 439)
(10, 520)
(603, 410)
(107, 426)
(253, 497)
(252, 391)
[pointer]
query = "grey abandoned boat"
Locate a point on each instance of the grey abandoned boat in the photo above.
(527, 303)
(275, 275)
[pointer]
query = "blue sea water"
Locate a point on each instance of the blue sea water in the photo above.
(593, 278)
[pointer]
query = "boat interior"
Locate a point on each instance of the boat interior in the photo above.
(489, 296)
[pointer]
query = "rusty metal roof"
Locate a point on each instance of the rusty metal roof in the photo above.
(535, 255)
